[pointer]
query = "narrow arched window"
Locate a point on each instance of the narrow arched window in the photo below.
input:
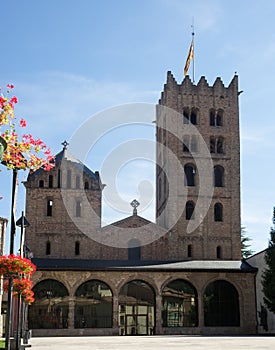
(77, 248)
(50, 181)
(48, 248)
(218, 176)
(86, 185)
(219, 252)
(189, 210)
(78, 209)
(212, 117)
(193, 117)
(212, 144)
(77, 181)
(186, 116)
(186, 143)
(189, 172)
(41, 183)
(49, 207)
(218, 212)
(134, 252)
(69, 178)
(189, 251)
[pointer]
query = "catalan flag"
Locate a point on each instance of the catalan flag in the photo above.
(189, 58)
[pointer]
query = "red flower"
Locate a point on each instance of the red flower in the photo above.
(23, 123)
(14, 100)
(10, 86)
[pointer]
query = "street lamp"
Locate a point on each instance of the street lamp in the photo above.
(22, 222)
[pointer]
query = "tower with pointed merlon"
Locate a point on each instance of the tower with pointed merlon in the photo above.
(198, 169)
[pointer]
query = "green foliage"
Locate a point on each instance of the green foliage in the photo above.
(268, 280)
(2, 344)
(245, 245)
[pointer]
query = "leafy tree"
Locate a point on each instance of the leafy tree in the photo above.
(268, 280)
(245, 245)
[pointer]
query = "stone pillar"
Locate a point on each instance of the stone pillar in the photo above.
(115, 311)
(158, 321)
(200, 310)
(71, 313)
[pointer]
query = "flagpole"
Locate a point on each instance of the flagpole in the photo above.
(193, 35)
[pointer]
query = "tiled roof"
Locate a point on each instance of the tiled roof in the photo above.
(194, 265)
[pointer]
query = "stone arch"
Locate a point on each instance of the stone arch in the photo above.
(51, 306)
(221, 304)
(93, 305)
(137, 304)
(179, 304)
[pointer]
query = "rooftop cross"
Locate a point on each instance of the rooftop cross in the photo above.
(135, 204)
(65, 144)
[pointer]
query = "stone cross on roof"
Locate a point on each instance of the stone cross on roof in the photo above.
(135, 204)
(65, 144)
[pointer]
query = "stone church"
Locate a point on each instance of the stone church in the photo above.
(189, 277)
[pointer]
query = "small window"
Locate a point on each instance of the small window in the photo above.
(189, 210)
(41, 183)
(69, 178)
(218, 212)
(190, 173)
(48, 248)
(218, 176)
(49, 207)
(77, 248)
(77, 182)
(78, 209)
(86, 185)
(219, 252)
(189, 251)
(50, 181)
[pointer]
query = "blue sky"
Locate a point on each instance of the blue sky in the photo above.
(69, 60)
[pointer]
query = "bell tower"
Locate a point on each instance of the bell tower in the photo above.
(198, 125)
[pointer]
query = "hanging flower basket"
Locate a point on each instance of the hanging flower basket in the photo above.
(15, 266)
(21, 286)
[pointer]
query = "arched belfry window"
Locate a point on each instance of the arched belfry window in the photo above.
(190, 175)
(49, 207)
(186, 116)
(193, 116)
(218, 212)
(189, 210)
(212, 115)
(190, 116)
(216, 117)
(218, 176)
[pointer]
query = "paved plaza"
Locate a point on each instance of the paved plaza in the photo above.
(154, 342)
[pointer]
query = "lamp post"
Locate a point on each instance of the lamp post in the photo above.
(22, 222)
(12, 234)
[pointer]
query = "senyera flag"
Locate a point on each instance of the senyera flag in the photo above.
(189, 58)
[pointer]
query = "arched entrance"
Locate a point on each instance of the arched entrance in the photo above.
(221, 305)
(136, 309)
(93, 305)
(179, 304)
(50, 309)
